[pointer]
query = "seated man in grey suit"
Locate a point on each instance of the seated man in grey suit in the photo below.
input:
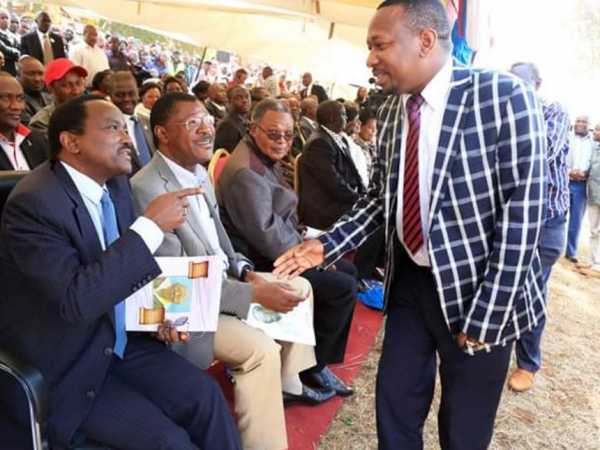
(184, 136)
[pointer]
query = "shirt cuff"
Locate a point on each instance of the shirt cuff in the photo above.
(150, 233)
(240, 267)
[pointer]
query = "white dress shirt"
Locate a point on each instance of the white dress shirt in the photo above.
(93, 59)
(580, 152)
(91, 193)
(432, 114)
(13, 151)
(198, 205)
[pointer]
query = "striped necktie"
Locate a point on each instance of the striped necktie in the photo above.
(411, 208)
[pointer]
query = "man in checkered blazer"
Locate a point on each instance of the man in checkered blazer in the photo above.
(459, 188)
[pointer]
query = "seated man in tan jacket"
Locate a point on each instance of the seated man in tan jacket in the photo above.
(262, 368)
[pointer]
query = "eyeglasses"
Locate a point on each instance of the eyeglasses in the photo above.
(193, 123)
(276, 135)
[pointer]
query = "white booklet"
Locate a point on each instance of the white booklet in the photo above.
(294, 326)
(187, 292)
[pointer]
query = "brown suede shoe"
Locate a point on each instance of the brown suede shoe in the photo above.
(521, 380)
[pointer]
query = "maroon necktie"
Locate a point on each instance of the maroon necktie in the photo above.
(411, 210)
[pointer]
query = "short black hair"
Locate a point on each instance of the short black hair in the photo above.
(150, 85)
(423, 14)
(171, 79)
(99, 79)
(163, 108)
(365, 115)
(351, 111)
(201, 87)
(70, 116)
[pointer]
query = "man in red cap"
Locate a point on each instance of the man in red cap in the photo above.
(64, 81)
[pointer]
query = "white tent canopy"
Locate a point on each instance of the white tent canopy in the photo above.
(324, 37)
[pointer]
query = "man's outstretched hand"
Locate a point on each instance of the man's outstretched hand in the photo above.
(302, 257)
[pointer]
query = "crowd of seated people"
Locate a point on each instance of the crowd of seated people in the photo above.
(119, 165)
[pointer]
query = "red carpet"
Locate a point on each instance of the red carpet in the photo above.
(306, 424)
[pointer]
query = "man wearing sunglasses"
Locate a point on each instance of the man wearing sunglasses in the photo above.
(258, 208)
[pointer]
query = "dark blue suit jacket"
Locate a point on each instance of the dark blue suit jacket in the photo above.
(59, 288)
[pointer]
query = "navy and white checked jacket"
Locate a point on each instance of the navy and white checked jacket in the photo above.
(486, 205)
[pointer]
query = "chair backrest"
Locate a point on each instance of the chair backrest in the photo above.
(217, 164)
(8, 180)
(297, 174)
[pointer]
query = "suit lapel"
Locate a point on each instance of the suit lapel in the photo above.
(80, 212)
(171, 185)
(460, 91)
(391, 137)
(5, 163)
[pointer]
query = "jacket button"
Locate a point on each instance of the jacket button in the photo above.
(91, 394)
(108, 351)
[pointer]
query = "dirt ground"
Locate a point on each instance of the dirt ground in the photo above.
(561, 412)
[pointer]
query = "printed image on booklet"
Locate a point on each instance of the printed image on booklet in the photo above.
(187, 293)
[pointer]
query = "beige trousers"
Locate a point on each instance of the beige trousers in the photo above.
(258, 363)
(594, 218)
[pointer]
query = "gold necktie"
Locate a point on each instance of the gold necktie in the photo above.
(48, 54)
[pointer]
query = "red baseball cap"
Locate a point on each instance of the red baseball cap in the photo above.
(57, 69)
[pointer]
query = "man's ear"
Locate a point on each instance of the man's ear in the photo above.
(252, 130)
(161, 134)
(428, 38)
(69, 141)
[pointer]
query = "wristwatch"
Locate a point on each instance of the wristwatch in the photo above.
(245, 270)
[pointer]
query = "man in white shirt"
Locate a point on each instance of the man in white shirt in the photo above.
(270, 82)
(88, 55)
(261, 367)
(458, 188)
(578, 164)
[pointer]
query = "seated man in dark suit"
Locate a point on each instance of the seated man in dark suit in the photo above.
(308, 117)
(258, 209)
(41, 43)
(31, 77)
(329, 181)
(70, 253)
(330, 184)
(232, 129)
(21, 149)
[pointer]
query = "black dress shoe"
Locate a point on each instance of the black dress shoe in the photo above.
(309, 396)
(326, 379)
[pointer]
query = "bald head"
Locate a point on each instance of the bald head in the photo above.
(582, 125)
(309, 106)
(528, 72)
(90, 35)
(332, 114)
(217, 93)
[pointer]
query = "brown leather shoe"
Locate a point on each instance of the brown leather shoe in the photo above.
(521, 380)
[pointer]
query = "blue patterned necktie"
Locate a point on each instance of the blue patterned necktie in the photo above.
(140, 142)
(111, 234)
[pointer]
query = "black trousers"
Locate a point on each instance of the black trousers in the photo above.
(471, 385)
(334, 296)
(155, 399)
(370, 255)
